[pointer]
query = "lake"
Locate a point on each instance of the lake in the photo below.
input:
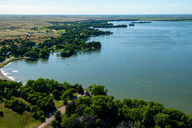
(151, 61)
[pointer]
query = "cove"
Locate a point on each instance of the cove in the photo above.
(148, 61)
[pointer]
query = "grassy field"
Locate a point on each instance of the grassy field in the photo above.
(12, 119)
(23, 24)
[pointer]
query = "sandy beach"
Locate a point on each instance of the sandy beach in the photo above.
(2, 76)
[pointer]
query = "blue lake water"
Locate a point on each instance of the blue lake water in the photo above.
(148, 61)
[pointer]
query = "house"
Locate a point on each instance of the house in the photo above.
(9, 53)
(85, 94)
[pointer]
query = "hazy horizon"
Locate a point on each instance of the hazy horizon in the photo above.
(86, 7)
(98, 14)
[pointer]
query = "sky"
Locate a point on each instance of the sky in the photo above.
(95, 7)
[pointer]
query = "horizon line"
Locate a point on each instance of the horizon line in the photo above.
(95, 14)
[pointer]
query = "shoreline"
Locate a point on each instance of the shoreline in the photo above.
(7, 61)
(2, 76)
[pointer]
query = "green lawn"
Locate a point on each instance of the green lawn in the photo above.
(58, 104)
(12, 119)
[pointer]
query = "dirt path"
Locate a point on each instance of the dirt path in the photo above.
(50, 117)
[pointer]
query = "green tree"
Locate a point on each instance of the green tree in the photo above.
(177, 118)
(40, 85)
(44, 54)
(70, 108)
(57, 94)
(68, 94)
(66, 53)
(15, 105)
(4, 49)
(90, 121)
(31, 54)
(98, 90)
(2, 58)
(72, 122)
(55, 123)
(96, 45)
(80, 89)
(190, 120)
(57, 116)
(162, 120)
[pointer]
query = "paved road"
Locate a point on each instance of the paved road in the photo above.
(51, 117)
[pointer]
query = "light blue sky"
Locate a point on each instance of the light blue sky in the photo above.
(95, 6)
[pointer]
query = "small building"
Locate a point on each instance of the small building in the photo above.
(9, 53)
(86, 93)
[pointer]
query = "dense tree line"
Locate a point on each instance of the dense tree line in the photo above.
(107, 112)
(87, 23)
(97, 110)
(9, 89)
(38, 95)
(21, 47)
(16, 105)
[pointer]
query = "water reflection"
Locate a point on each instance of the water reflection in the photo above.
(32, 62)
(95, 52)
(44, 61)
